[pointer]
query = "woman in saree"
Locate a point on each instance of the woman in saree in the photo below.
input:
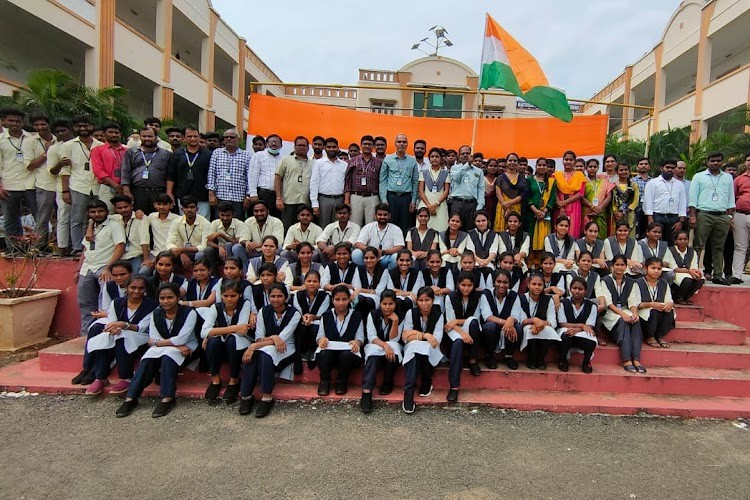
(598, 197)
(511, 190)
(625, 196)
(571, 185)
(542, 196)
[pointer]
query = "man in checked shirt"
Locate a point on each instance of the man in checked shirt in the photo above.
(362, 183)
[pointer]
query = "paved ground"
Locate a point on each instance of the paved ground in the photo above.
(70, 447)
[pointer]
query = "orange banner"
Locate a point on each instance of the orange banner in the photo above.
(530, 137)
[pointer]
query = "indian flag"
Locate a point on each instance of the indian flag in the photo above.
(509, 66)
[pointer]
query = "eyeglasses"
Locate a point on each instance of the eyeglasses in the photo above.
(231, 137)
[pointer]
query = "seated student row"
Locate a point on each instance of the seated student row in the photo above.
(341, 338)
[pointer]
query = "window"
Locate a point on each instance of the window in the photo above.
(439, 105)
(382, 107)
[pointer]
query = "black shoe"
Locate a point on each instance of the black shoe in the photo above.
(452, 396)
(311, 365)
(212, 392)
(324, 388)
(408, 404)
(89, 378)
(541, 365)
(386, 388)
(491, 362)
(246, 405)
(425, 389)
(79, 378)
(531, 364)
(563, 365)
(341, 387)
(475, 369)
(586, 367)
(735, 281)
(512, 363)
(231, 393)
(365, 404)
(126, 408)
(720, 281)
(163, 408)
(264, 408)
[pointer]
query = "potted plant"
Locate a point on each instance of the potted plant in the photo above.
(26, 311)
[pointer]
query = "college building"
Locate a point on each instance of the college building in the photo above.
(697, 74)
(177, 58)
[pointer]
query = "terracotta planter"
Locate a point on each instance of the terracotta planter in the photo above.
(25, 321)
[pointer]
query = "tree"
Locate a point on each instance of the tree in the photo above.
(623, 149)
(56, 94)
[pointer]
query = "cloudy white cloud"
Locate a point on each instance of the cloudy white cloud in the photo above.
(581, 45)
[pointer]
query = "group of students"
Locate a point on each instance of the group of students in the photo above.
(454, 297)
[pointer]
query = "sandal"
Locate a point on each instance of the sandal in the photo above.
(664, 345)
(601, 341)
(630, 368)
(653, 343)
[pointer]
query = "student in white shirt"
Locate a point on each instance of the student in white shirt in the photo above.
(305, 230)
(188, 235)
(343, 230)
(381, 234)
(160, 223)
(327, 183)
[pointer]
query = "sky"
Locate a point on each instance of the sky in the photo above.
(581, 45)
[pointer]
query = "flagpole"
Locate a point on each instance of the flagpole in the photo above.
(476, 120)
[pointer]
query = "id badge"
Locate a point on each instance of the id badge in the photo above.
(19, 156)
(299, 178)
(671, 202)
(86, 166)
(145, 174)
(227, 177)
(363, 182)
(188, 244)
(434, 189)
(92, 245)
(190, 175)
(398, 182)
(127, 247)
(715, 196)
(595, 202)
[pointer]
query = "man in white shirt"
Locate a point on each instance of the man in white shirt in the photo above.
(35, 156)
(224, 233)
(258, 227)
(63, 132)
(107, 247)
(665, 201)
(137, 238)
(189, 233)
(16, 182)
(78, 181)
(304, 230)
(336, 232)
(160, 221)
(261, 174)
(381, 234)
(327, 183)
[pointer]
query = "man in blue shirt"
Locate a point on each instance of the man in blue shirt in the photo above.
(711, 212)
(399, 179)
(467, 188)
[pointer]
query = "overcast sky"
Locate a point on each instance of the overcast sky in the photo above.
(581, 45)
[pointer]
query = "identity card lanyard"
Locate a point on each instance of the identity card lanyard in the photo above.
(147, 162)
(190, 164)
(19, 153)
(87, 154)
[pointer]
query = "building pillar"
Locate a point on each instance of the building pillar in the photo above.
(659, 87)
(207, 119)
(164, 20)
(627, 98)
(702, 73)
(105, 37)
(242, 91)
(163, 101)
(211, 55)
